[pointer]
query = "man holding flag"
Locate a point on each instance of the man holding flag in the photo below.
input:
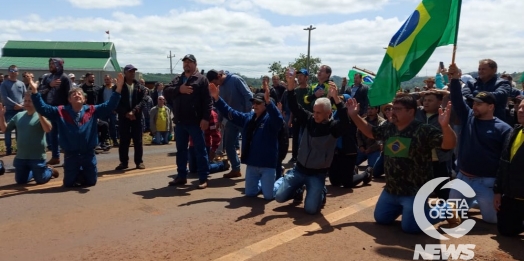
(434, 23)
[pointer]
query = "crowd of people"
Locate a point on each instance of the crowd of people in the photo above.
(455, 127)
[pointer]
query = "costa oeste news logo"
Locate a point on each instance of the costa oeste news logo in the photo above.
(440, 209)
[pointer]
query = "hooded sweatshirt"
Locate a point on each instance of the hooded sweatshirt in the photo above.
(57, 95)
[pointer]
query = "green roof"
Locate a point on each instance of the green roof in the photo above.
(58, 49)
(39, 63)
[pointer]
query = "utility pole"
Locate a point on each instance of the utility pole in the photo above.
(310, 28)
(170, 57)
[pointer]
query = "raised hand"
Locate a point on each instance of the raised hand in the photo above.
(290, 79)
(443, 115)
(119, 82)
(353, 107)
(32, 87)
(265, 87)
(453, 72)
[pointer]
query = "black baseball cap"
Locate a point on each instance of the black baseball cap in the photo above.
(190, 57)
(258, 97)
(485, 97)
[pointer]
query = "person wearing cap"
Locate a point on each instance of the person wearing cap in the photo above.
(191, 102)
(259, 140)
(484, 133)
(300, 92)
(236, 94)
(78, 132)
(316, 149)
(488, 81)
(72, 78)
(321, 88)
(129, 110)
(54, 88)
(509, 183)
(12, 93)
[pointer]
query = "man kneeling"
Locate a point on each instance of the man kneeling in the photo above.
(78, 133)
(30, 159)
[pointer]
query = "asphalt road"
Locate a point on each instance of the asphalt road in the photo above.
(134, 215)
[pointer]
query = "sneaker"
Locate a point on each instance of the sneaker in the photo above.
(140, 166)
(54, 173)
(53, 161)
(122, 166)
(98, 147)
(292, 160)
(203, 184)
(367, 179)
(299, 195)
(233, 174)
(226, 164)
(178, 182)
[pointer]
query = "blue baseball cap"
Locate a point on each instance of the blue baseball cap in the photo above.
(303, 71)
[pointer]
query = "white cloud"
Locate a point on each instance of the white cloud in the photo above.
(239, 41)
(99, 4)
(316, 7)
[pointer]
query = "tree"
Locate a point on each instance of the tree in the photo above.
(276, 68)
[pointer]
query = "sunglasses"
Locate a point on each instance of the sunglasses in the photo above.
(13, 70)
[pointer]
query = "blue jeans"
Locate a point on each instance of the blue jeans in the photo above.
(161, 137)
(53, 141)
(483, 188)
(9, 114)
(371, 158)
(230, 139)
(389, 207)
(182, 133)
(111, 119)
(378, 168)
(214, 167)
(287, 186)
(27, 169)
(80, 167)
(260, 179)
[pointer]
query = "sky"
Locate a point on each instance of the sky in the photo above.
(246, 36)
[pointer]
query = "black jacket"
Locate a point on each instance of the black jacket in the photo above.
(361, 95)
(137, 102)
(497, 86)
(60, 94)
(510, 177)
(189, 108)
(92, 93)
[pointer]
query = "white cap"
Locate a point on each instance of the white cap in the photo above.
(71, 75)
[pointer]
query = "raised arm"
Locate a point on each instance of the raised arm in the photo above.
(110, 105)
(353, 109)
(449, 138)
(46, 124)
(455, 89)
(41, 107)
(238, 118)
(300, 113)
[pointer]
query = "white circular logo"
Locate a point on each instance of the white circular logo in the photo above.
(421, 200)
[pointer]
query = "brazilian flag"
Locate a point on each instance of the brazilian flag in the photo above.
(367, 78)
(434, 23)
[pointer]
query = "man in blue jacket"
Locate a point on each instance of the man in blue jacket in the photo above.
(77, 128)
(488, 81)
(235, 93)
(259, 137)
(481, 145)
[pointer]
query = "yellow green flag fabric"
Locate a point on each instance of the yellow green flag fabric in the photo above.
(434, 23)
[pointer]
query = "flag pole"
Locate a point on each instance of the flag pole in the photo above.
(456, 32)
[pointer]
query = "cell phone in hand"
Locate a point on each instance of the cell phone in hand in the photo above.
(442, 65)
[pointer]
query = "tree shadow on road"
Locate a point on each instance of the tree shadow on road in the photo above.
(257, 205)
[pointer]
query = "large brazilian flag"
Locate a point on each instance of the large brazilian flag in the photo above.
(434, 23)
